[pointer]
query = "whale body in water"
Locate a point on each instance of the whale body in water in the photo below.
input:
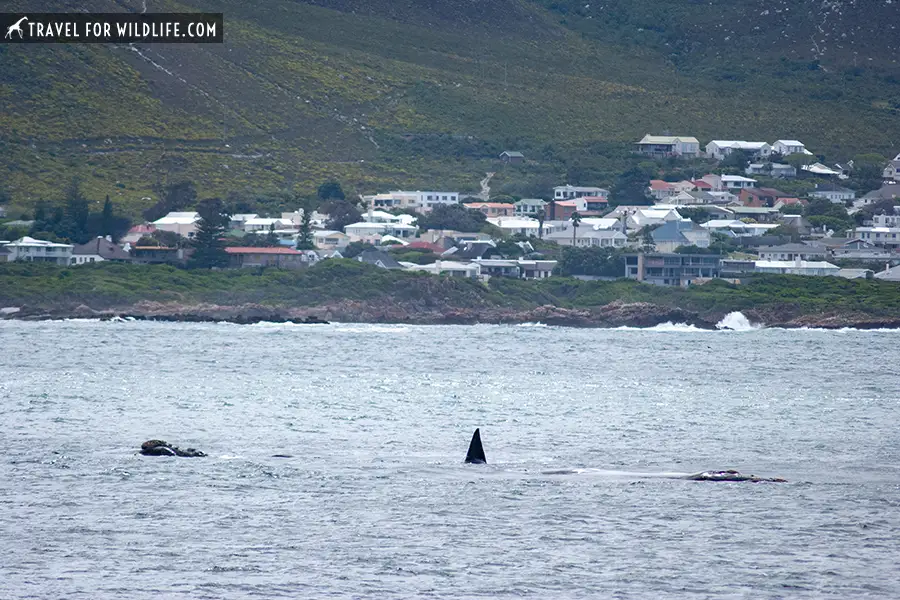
(476, 456)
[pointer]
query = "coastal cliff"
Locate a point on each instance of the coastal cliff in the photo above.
(348, 291)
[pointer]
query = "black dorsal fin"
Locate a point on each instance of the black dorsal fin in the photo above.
(475, 455)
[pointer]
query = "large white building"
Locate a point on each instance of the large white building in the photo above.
(569, 192)
(182, 223)
(420, 201)
(719, 149)
(31, 250)
(788, 147)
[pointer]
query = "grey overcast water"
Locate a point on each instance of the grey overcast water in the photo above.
(376, 502)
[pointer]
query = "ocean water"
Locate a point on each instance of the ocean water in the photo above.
(375, 501)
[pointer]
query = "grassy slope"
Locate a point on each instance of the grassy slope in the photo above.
(302, 91)
(108, 285)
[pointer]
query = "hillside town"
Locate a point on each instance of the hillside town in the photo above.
(685, 231)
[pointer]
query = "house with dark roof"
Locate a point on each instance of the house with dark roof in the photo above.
(98, 250)
(511, 157)
(675, 234)
(793, 252)
(281, 257)
(472, 251)
(761, 196)
(379, 258)
(833, 193)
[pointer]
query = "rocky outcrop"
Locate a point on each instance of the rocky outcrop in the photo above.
(161, 448)
(431, 311)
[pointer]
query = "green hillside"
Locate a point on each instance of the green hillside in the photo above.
(384, 94)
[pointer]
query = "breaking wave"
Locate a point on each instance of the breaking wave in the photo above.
(736, 321)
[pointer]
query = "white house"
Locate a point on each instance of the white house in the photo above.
(736, 182)
(519, 225)
(182, 223)
(364, 231)
(892, 170)
(257, 224)
(569, 192)
(237, 221)
(786, 147)
(796, 267)
(330, 240)
(29, 249)
(669, 145)
(719, 149)
(642, 216)
(529, 207)
(587, 236)
(456, 269)
(833, 193)
(418, 200)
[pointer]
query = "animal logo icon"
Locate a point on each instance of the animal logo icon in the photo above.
(16, 28)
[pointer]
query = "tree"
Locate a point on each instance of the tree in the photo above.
(75, 214)
(106, 218)
(173, 197)
(354, 249)
(305, 238)
(453, 216)
(341, 213)
(576, 221)
(209, 245)
(631, 188)
(541, 215)
(737, 160)
(330, 190)
(605, 262)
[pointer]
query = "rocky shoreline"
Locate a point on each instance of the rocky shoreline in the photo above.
(614, 314)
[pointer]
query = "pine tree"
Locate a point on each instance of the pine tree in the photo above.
(304, 239)
(209, 245)
(107, 219)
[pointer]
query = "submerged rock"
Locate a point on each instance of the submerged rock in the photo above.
(732, 475)
(161, 448)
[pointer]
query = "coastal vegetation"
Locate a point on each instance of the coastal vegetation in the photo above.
(426, 95)
(107, 285)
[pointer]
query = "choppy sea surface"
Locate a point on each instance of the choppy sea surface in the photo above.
(375, 501)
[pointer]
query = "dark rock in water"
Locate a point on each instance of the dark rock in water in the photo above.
(732, 475)
(161, 448)
(282, 456)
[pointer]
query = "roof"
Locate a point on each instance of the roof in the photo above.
(30, 241)
(830, 187)
(887, 192)
(807, 248)
(145, 228)
(380, 259)
(667, 139)
(736, 178)
(437, 249)
(801, 264)
(820, 169)
(477, 205)
(790, 142)
(581, 188)
(659, 184)
(322, 233)
(178, 219)
(892, 274)
(101, 247)
(251, 250)
(512, 154)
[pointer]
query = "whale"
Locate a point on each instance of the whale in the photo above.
(161, 448)
(475, 455)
